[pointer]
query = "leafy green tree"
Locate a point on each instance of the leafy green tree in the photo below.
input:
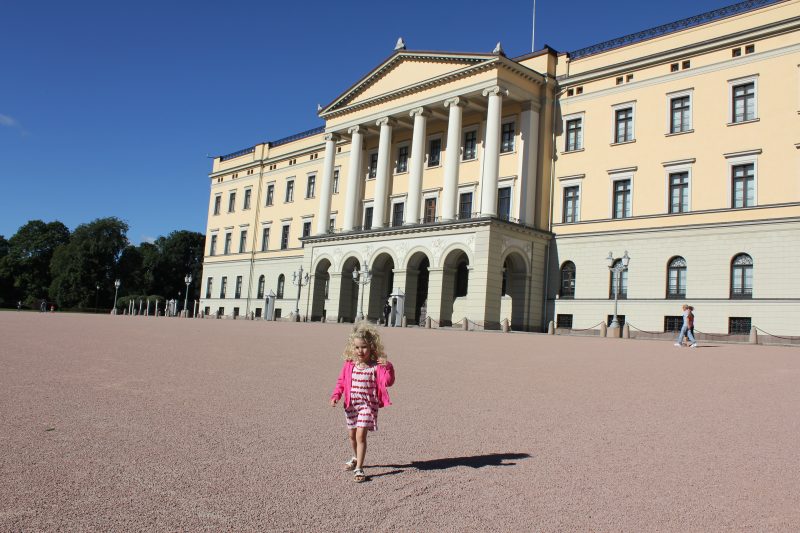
(27, 260)
(90, 258)
(167, 261)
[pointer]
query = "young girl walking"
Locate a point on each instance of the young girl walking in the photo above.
(363, 381)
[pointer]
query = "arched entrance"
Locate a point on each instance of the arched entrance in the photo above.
(455, 286)
(416, 286)
(319, 293)
(381, 286)
(348, 292)
(514, 292)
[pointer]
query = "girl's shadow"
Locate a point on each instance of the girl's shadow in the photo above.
(474, 461)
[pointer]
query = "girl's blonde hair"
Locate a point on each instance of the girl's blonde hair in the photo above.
(368, 333)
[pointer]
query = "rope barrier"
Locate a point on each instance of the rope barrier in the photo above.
(777, 336)
(587, 329)
(650, 332)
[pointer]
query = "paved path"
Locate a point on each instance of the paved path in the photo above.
(131, 424)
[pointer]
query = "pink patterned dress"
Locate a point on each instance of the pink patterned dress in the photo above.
(363, 410)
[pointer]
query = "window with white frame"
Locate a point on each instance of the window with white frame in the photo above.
(289, 191)
(624, 115)
(470, 145)
(306, 228)
(504, 202)
(680, 112)
(507, 136)
(429, 203)
(573, 128)
(743, 172)
(367, 218)
(311, 185)
(372, 168)
(285, 237)
(209, 285)
(571, 199)
(242, 241)
(270, 194)
(265, 239)
(228, 239)
(621, 195)
(335, 187)
(217, 203)
(231, 201)
(402, 159)
(743, 99)
(213, 247)
(465, 205)
(398, 208)
(679, 192)
(248, 194)
(434, 151)
(332, 225)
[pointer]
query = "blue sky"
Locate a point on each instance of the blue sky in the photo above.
(110, 108)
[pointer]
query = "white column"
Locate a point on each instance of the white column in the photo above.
(353, 177)
(491, 153)
(528, 161)
(324, 213)
(452, 158)
(382, 176)
(417, 162)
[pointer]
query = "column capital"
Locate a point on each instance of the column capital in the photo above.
(335, 137)
(496, 90)
(421, 111)
(458, 101)
(356, 129)
(385, 121)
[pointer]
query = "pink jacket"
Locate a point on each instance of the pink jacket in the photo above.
(384, 374)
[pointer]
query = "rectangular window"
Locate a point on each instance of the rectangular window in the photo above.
(284, 237)
(264, 239)
(465, 206)
(238, 292)
(679, 192)
(243, 241)
(270, 194)
(744, 102)
(743, 184)
(402, 159)
(434, 152)
(564, 321)
(470, 145)
(623, 125)
(367, 217)
(232, 202)
(574, 134)
(373, 165)
(680, 114)
(622, 199)
(311, 186)
(676, 282)
(738, 325)
(217, 203)
(209, 284)
(429, 211)
(228, 239)
(213, 248)
(673, 324)
(248, 193)
(331, 225)
(504, 203)
(306, 228)
(571, 198)
(397, 213)
(289, 191)
(223, 287)
(336, 181)
(507, 138)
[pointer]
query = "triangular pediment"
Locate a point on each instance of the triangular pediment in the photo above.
(404, 70)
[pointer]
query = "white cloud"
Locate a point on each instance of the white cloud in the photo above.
(5, 120)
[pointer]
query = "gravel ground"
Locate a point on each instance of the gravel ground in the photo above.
(131, 424)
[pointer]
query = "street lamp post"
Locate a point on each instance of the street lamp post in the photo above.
(617, 269)
(362, 277)
(187, 280)
(299, 281)
(116, 290)
(96, 296)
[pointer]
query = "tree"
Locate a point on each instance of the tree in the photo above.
(170, 259)
(27, 260)
(5, 281)
(90, 258)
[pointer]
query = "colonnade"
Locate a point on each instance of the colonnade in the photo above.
(420, 115)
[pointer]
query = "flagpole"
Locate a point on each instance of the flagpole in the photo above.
(533, 27)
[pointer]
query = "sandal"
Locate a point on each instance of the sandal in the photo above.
(358, 475)
(351, 464)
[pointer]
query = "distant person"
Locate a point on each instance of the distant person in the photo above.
(19, 305)
(387, 310)
(691, 322)
(688, 318)
(43, 306)
(365, 377)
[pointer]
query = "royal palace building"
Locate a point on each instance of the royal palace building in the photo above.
(478, 186)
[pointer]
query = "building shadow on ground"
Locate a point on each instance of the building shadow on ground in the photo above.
(472, 461)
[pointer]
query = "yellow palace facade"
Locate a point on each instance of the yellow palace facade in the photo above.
(477, 186)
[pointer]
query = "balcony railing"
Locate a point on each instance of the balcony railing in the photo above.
(740, 293)
(297, 136)
(233, 155)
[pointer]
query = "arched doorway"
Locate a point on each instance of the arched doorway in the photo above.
(320, 290)
(381, 286)
(348, 292)
(455, 287)
(417, 287)
(514, 292)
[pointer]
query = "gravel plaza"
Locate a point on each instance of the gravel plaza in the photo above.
(167, 424)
